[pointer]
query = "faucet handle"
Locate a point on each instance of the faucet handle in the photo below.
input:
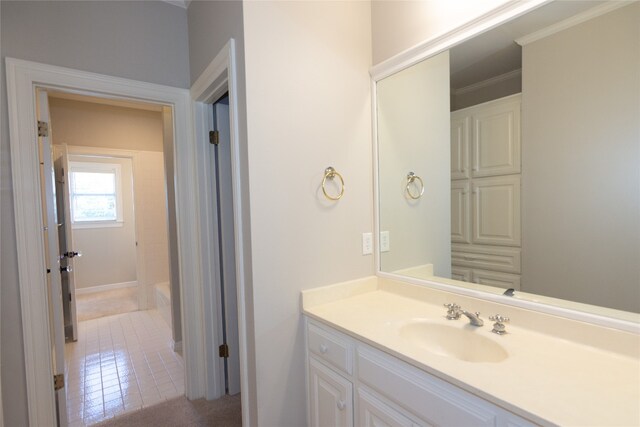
(453, 311)
(499, 327)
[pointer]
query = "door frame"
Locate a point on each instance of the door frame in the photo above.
(23, 77)
(219, 77)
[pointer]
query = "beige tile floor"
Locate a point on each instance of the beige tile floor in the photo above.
(119, 364)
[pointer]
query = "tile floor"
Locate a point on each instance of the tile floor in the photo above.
(120, 364)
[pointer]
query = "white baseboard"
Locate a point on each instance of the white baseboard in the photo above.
(177, 347)
(102, 288)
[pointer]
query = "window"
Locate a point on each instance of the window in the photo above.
(96, 194)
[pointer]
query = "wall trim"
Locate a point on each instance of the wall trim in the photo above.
(23, 77)
(488, 82)
(585, 16)
(109, 287)
(446, 40)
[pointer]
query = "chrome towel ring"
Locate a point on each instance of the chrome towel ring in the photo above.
(411, 178)
(331, 173)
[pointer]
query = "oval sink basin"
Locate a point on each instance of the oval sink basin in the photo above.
(453, 341)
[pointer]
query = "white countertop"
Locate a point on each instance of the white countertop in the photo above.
(593, 379)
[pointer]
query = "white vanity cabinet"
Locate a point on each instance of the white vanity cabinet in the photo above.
(352, 383)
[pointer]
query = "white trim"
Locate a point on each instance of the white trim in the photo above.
(585, 16)
(419, 53)
(493, 18)
(220, 76)
(488, 82)
(103, 288)
(22, 79)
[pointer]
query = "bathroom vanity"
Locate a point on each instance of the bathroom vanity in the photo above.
(382, 352)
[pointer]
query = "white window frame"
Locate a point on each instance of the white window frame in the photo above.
(97, 167)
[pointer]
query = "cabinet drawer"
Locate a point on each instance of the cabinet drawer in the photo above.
(488, 258)
(431, 399)
(331, 348)
(496, 279)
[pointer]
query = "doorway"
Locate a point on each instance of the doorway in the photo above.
(113, 363)
(22, 78)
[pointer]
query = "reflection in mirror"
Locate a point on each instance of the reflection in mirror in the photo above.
(527, 139)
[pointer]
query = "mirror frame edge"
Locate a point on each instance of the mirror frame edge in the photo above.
(427, 49)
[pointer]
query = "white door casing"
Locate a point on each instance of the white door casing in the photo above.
(220, 77)
(22, 78)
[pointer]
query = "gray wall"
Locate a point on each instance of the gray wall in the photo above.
(211, 25)
(580, 162)
(145, 41)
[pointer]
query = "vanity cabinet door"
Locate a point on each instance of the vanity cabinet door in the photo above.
(330, 397)
(373, 412)
(461, 273)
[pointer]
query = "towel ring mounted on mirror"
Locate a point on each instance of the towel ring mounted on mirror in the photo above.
(330, 173)
(411, 178)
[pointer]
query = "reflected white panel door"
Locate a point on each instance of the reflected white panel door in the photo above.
(496, 137)
(496, 210)
(460, 209)
(497, 279)
(330, 397)
(226, 236)
(459, 146)
(54, 282)
(65, 237)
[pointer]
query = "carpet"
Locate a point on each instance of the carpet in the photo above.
(106, 303)
(182, 412)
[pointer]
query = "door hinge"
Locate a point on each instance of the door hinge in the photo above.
(223, 350)
(214, 137)
(43, 128)
(58, 381)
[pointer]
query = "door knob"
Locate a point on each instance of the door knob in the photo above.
(71, 254)
(66, 269)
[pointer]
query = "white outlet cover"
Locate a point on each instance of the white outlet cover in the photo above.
(384, 241)
(367, 243)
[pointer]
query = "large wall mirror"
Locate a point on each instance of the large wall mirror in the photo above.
(512, 160)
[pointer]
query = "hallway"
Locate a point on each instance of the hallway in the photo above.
(120, 364)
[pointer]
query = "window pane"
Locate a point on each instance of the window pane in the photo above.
(94, 208)
(94, 182)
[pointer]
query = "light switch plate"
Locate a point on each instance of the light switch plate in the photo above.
(367, 243)
(384, 241)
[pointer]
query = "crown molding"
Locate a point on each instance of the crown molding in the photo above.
(488, 82)
(574, 20)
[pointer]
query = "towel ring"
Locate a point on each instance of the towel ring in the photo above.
(330, 173)
(411, 178)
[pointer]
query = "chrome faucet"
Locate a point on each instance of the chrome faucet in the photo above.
(474, 318)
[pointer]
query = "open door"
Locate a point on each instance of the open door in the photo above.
(52, 254)
(223, 187)
(65, 240)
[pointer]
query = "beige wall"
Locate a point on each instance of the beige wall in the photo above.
(398, 25)
(108, 253)
(308, 107)
(581, 157)
(89, 124)
(409, 143)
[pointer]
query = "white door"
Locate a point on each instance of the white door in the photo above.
(65, 237)
(496, 210)
(224, 191)
(54, 282)
(330, 397)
